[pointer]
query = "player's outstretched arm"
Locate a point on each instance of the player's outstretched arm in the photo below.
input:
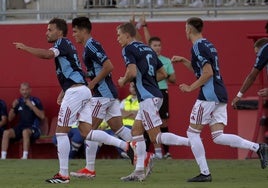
(38, 52)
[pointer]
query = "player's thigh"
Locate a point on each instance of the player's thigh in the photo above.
(153, 133)
(74, 105)
(202, 113)
(148, 113)
(99, 106)
(137, 128)
(115, 123)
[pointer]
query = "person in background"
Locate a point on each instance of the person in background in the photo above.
(129, 107)
(30, 111)
(76, 141)
(3, 116)
(210, 107)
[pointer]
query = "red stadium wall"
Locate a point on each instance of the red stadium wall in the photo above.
(230, 38)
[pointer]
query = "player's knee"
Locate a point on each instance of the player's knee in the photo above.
(191, 132)
(216, 136)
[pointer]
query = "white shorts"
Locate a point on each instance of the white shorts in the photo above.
(105, 108)
(149, 113)
(75, 107)
(208, 112)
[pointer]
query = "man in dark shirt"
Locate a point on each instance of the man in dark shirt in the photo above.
(30, 111)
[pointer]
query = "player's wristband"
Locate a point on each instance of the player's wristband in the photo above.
(144, 25)
(239, 94)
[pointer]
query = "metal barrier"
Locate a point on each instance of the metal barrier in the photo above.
(38, 10)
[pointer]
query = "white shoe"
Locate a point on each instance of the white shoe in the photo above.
(135, 176)
(157, 156)
(197, 4)
(167, 156)
(230, 3)
(124, 155)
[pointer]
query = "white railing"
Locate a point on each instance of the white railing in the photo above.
(106, 9)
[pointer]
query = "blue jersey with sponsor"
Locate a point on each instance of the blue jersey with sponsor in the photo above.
(68, 67)
(214, 89)
(27, 117)
(147, 64)
(94, 56)
(262, 58)
(3, 110)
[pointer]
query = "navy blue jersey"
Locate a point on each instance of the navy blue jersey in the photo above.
(94, 56)
(147, 64)
(27, 117)
(214, 89)
(262, 58)
(3, 109)
(68, 67)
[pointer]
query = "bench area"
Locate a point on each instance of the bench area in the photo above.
(43, 148)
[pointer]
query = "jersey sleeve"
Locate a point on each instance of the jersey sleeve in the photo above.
(128, 56)
(204, 55)
(61, 47)
(262, 58)
(96, 53)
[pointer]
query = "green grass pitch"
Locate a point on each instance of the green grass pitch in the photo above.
(166, 174)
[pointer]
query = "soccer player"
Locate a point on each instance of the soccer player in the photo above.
(144, 68)
(261, 49)
(156, 44)
(211, 104)
(104, 103)
(74, 97)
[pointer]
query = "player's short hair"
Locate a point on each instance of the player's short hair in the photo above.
(82, 23)
(152, 39)
(127, 28)
(196, 22)
(61, 24)
(261, 42)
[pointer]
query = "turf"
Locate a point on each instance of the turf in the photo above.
(166, 174)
